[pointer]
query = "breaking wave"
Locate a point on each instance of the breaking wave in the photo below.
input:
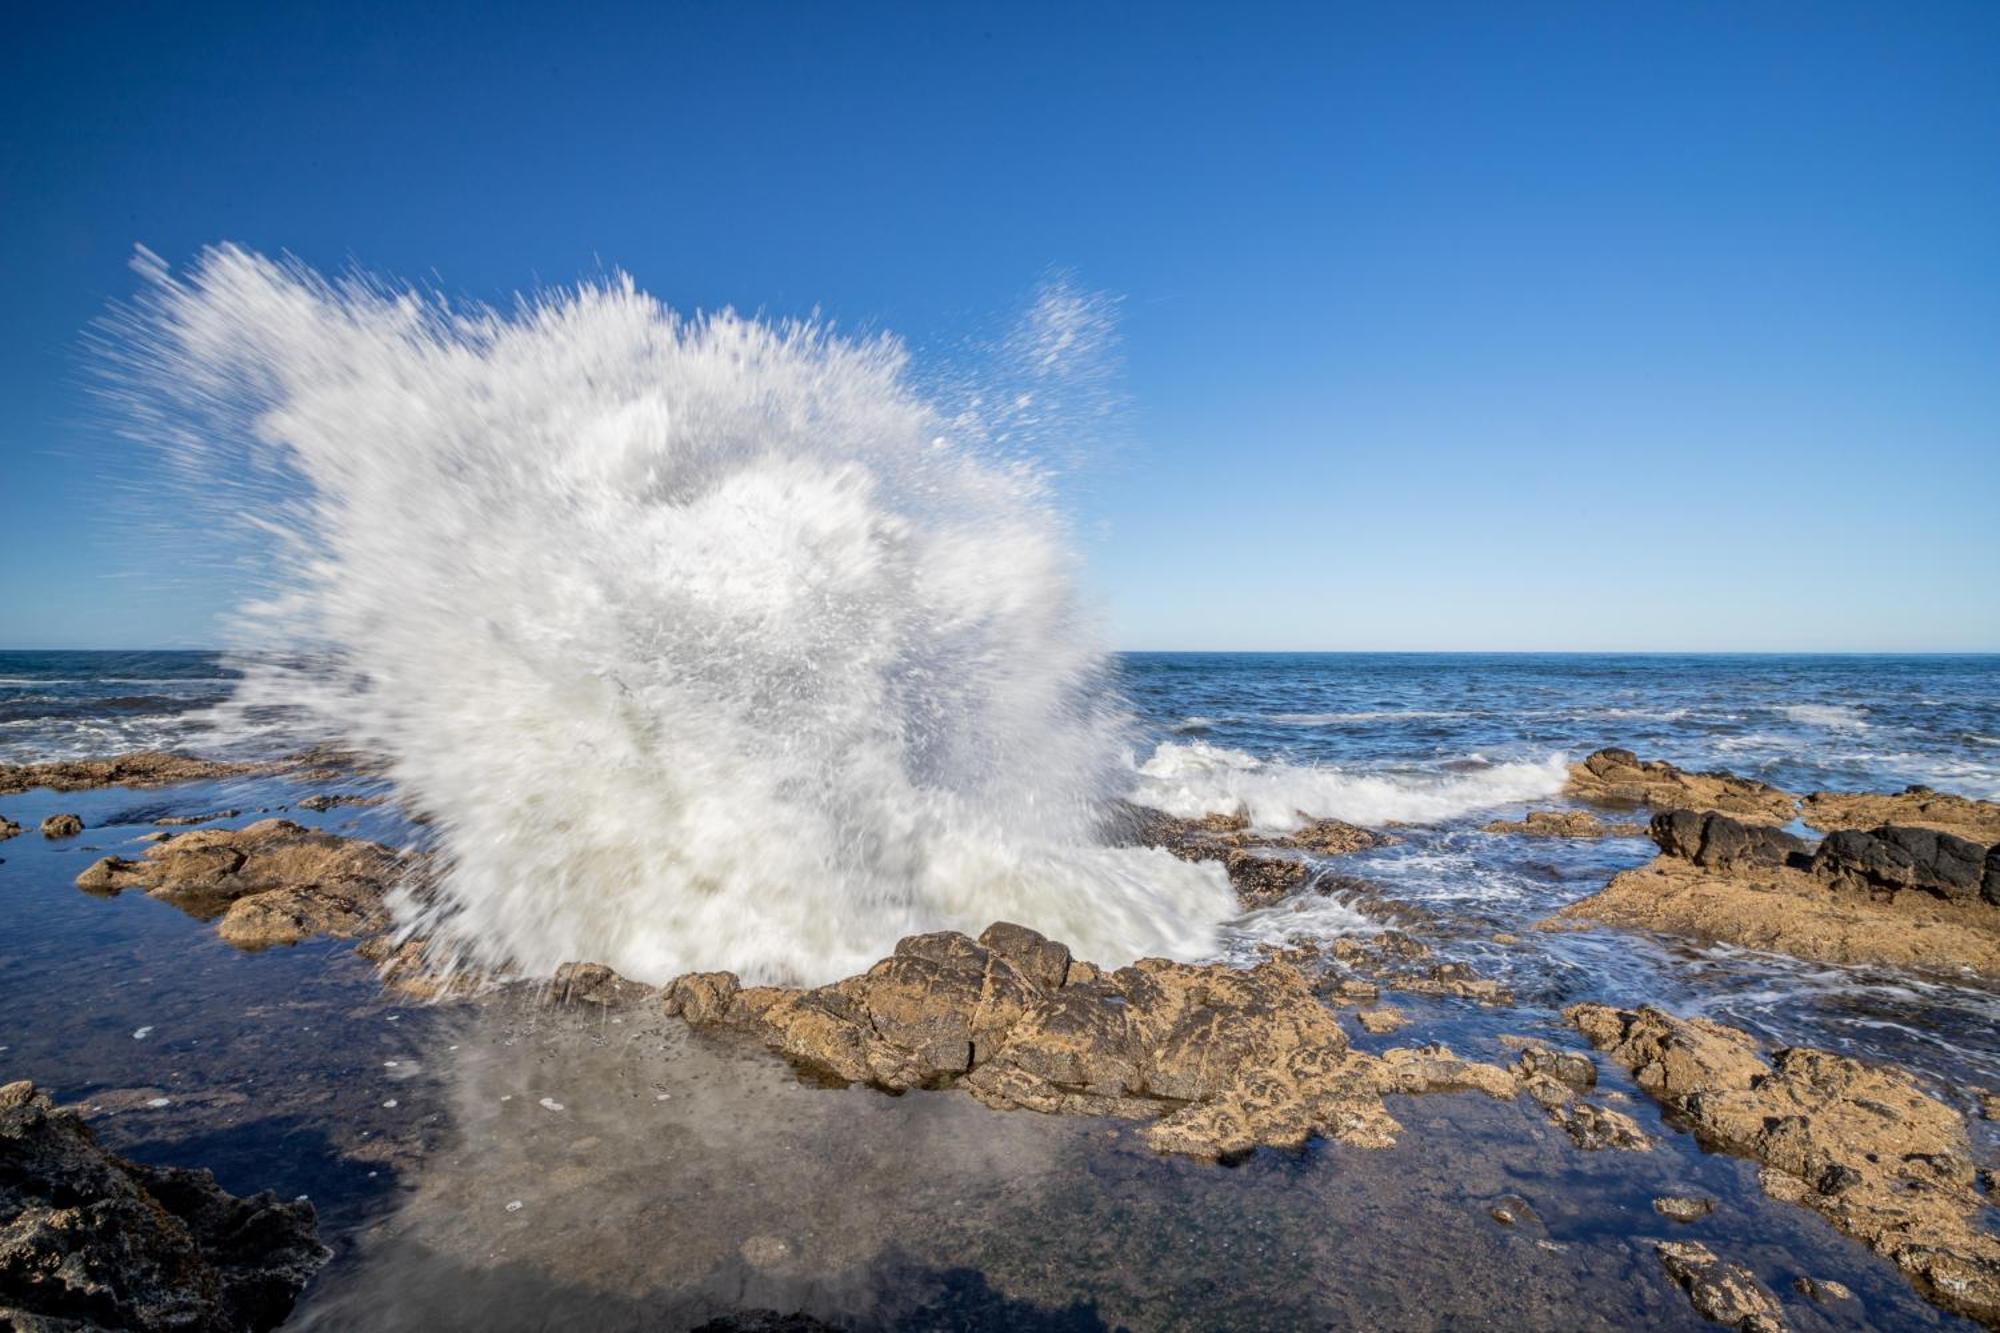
(1196, 778)
(702, 642)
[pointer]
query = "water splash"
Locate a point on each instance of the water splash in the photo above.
(704, 642)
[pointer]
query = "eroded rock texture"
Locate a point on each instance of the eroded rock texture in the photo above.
(1221, 1060)
(1862, 1145)
(1620, 778)
(274, 882)
(89, 1240)
(1913, 807)
(1913, 897)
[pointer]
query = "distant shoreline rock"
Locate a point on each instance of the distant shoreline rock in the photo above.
(1619, 778)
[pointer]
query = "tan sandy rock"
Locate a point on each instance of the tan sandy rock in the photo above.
(1862, 1145)
(1564, 824)
(1620, 778)
(1729, 1294)
(273, 882)
(1914, 807)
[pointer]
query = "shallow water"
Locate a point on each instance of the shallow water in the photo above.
(682, 1179)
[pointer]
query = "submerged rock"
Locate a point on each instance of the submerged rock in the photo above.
(1913, 807)
(89, 1240)
(1221, 1060)
(274, 882)
(62, 826)
(1620, 778)
(1726, 1293)
(1683, 1207)
(1563, 824)
(1862, 1145)
(1912, 897)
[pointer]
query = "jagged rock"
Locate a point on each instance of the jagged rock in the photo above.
(1263, 868)
(1573, 1068)
(1563, 824)
(1714, 841)
(149, 768)
(1683, 1207)
(1621, 779)
(62, 826)
(1913, 807)
(183, 821)
(419, 969)
(8, 829)
(322, 802)
(1861, 1145)
(1221, 1060)
(274, 882)
(1894, 858)
(1847, 902)
(89, 1240)
(1726, 1293)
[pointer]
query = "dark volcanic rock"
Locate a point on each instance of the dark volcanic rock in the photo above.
(1896, 858)
(88, 1240)
(1263, 868)
(1714, 841)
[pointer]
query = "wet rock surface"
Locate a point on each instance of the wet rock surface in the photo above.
(273, 882)
(1221, 1060)
(1910, 897)
(62, 826)
(90, 1240)
(1620, 778)
(1564, 824)
(1263, 867)
(147, 768)
(1863, 1146)
(1727, 1293)
(8, 829)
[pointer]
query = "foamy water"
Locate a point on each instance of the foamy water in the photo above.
(704, 642)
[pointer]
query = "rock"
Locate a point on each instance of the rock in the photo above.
(89, 1240)
(1572, 1068)
(183, 821)
(274, 882)
(1830, 907)
(1726, 1293)
(1564, 824)
(1683, 1207)
(8, 829)
(62, 826)
(1862, 1145)
(1822, 1290)
(1619, 778)
(150, 768)
(1263, 868)
(1913, 807)
(1893, 858)
(324, 801)
(1220, 1060)
(1381, 1019)
(1716, 842)
(594, 983)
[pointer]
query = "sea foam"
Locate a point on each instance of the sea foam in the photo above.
(702, 642)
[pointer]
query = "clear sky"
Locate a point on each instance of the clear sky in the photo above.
(1515, 325)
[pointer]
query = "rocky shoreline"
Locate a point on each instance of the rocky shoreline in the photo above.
(1213, 1061)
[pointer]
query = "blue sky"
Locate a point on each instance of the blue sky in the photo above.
(1484, 326)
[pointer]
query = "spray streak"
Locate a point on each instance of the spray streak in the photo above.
(706, 643)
